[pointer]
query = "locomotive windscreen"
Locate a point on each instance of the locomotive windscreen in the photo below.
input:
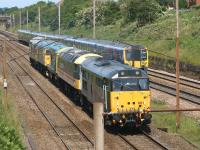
(130, 84)
(136, 54)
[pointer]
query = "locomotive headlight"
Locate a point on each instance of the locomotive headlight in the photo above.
(140, 110)
(137, 72)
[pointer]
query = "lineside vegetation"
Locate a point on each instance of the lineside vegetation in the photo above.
(189, 129)
(10, 132)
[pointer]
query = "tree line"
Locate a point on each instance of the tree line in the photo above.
(76, 13)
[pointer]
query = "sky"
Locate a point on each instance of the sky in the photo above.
(20, 3)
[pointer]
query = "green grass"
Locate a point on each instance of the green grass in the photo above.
(10, 130)
(189, 129)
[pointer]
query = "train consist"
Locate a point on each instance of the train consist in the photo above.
(88, 77)
(134, 55)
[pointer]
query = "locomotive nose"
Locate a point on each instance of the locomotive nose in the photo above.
(129, 101)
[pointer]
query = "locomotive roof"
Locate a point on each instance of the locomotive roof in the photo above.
(107, 68)
(36, 40)
(73, 54)
(49, 44)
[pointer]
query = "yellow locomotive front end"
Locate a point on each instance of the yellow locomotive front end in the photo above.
(136, 57)
(129, 101)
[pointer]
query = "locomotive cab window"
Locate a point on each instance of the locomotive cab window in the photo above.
(133, 54)
(144, 54)
(130, 84)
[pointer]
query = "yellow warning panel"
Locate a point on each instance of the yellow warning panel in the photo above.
(47, 60)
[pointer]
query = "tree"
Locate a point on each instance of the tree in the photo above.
(143, 12)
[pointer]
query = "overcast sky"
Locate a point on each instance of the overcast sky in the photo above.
(19, 3)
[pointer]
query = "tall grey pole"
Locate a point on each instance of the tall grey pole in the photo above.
(20, 19)
(11, 24)
(94, 19)
(59, 18)
(98, 125)
(27, 19)
(39, 19)
(14, 20)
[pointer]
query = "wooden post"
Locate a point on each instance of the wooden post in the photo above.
(27, 19)
(94, 19)
(20, 19)
(39, 24)
(59, 17)
(177, 67)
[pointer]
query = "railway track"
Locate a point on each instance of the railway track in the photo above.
(143, 141)
(166, 82)
(23, 75)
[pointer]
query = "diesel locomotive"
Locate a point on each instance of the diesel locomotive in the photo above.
(133, 55)
(88, 77)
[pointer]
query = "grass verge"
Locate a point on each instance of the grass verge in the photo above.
(189, 129)
(10, 130)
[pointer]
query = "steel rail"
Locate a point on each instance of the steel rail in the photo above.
(171, 90)
(154, 140)
(128, 142)
(165, 76)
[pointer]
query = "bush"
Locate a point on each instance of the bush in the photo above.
(110, 12)
(106, 13)
(143, 12)
(9, 139)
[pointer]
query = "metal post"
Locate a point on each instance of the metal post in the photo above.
(20, 19)
(177, 67)
(5, 103)
(39, 24)
(11, 21)
(98, 125)
(27, 19)
(14, 21)
(94, 19)
(59, 17)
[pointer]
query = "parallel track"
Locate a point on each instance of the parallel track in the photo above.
(191, 84)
